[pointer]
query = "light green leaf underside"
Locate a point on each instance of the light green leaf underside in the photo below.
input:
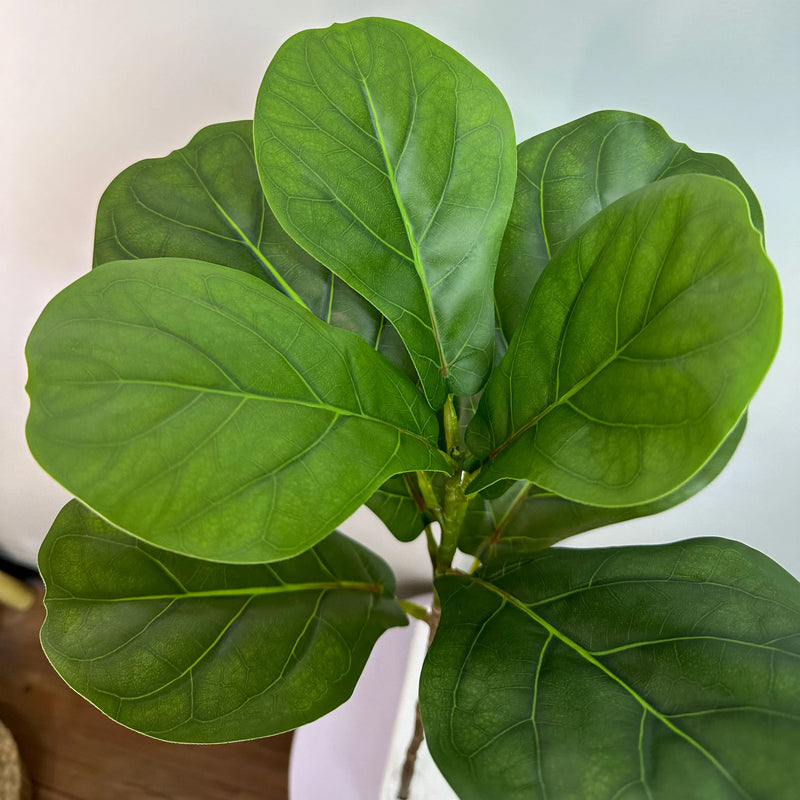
(619, 674)
(193, 651)
(205, 201)
(641, 346)
(201, 410)
(568, 174)
(526, 519)
(391, 159)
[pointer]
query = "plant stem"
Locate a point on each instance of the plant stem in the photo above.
(414, 610)
(404, 792)
(453, 514)
(433, 548)
(450, 512)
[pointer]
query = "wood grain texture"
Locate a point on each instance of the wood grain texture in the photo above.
(73, 752)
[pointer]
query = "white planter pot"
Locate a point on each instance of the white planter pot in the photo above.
(357, 751)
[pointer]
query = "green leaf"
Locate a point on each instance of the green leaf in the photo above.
(526, 518)
(205, 201)
(618, 674)
(199, 409)
(191, 651)
(391, 159)
(568, 174)
(641, 346)
(400, 507)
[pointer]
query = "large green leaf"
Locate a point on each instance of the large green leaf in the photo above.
(628, 673)
(193, 651)
(568, 174)
(198, 408)
(526, 519)
(391, 159)
(641, 346)
(205, 201)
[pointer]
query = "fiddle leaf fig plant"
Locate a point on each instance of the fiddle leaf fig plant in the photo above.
(372, 295)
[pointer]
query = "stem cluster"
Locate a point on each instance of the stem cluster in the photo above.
(445, 500)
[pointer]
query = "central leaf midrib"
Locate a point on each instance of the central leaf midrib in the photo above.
(616, 354)
(418, 265)
(556, 367)
(241, 394)
(501, 525)
(556, 403)
(540, 187)
(589, 658)
(256, 591)
(246, 239)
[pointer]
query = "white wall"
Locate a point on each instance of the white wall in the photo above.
(90, 87)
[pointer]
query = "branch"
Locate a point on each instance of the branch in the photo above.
(404, 792)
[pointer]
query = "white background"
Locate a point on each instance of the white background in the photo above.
(90, 87)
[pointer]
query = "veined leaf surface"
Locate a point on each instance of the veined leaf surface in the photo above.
(526, 519)
(201, 410)
(192, 651)
(628, 673)
(641, 346)
(568, 174)
(391, 159)
(205, 201)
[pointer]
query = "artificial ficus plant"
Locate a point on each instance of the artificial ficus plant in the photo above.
(372, 295)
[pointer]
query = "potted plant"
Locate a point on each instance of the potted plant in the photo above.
(370, 294)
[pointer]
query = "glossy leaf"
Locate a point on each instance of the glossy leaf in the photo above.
(399, 506)
(192, 651)
(568, 174)
(619, 674)
(391, 159)
(644, 341)
(201, 410)
(526, 519)
(205, 201)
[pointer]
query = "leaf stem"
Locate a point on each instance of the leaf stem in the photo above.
(472, 475)
(428, 493)
(404, 792)
(433, 547)
(414, 610)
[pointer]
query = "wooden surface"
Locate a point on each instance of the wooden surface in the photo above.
(73, 752)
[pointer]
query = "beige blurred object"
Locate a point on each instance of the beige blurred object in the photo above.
(15, 594)
(14, 784)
